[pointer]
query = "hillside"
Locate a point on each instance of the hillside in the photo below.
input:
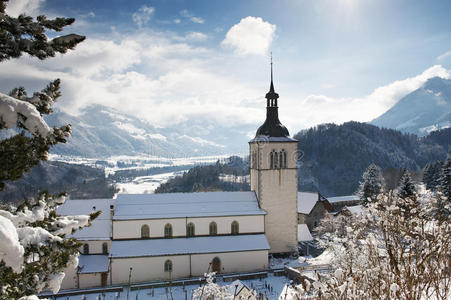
(422, 111)
(335, 156)
(79, 181)
(210, 178)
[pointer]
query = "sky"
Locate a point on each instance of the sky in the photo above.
(172, 61)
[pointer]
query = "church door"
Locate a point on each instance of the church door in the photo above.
(216, 265)
(104, 277)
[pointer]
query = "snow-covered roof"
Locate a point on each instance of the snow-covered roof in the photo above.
(93, 264)
(195, 245)
(356, 209)
(304, 233)
(180, 205)
(236, 286)
(343, 198)
(264, 138)
(306, 202)
(101, 226)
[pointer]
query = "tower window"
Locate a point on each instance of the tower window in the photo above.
(168, 266)
(190, 230)
(85, 249)
(105, 248)
(273, 160)
(283, 159)
(168, 231)
(145, 231)
(235, 228)
(213, 228)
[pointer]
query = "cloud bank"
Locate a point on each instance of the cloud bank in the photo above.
(250, 36)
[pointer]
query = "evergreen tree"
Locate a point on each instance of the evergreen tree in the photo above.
(406, 186)
(372, 184)
(19, 153)
(445, 179)
(33, 249)
(431, 174)
(407, 198)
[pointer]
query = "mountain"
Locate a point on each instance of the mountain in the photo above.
(422, 111)
(335, 156)
(100, 131)
(333, 159)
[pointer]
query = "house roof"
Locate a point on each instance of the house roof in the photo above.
(93, 264)
(100, 228)
(304, 233)
(183, 246)
(178, 205)
(343, 198)
(306, 202)
(356, 209)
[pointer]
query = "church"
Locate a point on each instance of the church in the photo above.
(153, 237)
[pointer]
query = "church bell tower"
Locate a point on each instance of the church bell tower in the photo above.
(273, 172)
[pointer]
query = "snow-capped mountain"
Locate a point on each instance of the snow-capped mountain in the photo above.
(100, 131)
(422, 111)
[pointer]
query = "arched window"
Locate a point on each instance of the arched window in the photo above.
(271, 159)
(145, 231)
(213, 228)
(235, 227)
(283, 159)
(168, 231)
(190, 230)
(168, 266)
(85, 249)
(105, 248)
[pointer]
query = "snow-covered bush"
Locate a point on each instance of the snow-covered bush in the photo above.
(211, 291)
(34, 251)
(397, 248)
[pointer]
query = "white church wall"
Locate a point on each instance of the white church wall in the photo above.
(90, 280)
(95, 247)
(247, 224)
(147, 269)
(131, 229)
(231, 262)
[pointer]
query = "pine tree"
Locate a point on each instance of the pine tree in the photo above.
(407, 201)
(445, 179)
(372, 184)
(21, 152)
(431, 174)
(33, 249)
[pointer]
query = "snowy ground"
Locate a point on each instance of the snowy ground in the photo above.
(146, 184)
(271, 286)
(123, 162)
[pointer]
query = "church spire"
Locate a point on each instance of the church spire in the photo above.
(272, 126)
(271, 96)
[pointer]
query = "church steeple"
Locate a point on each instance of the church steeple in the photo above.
(272, 126)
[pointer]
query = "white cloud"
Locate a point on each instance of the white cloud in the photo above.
(143, 15)
(186, 14)
(192, 36)
(250, 36)
(177, 21)
(444, 55)
(29, 7)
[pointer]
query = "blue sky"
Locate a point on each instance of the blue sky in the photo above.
(171, 61)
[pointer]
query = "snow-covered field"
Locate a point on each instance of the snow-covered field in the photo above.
(124, 162)
(146, 184)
